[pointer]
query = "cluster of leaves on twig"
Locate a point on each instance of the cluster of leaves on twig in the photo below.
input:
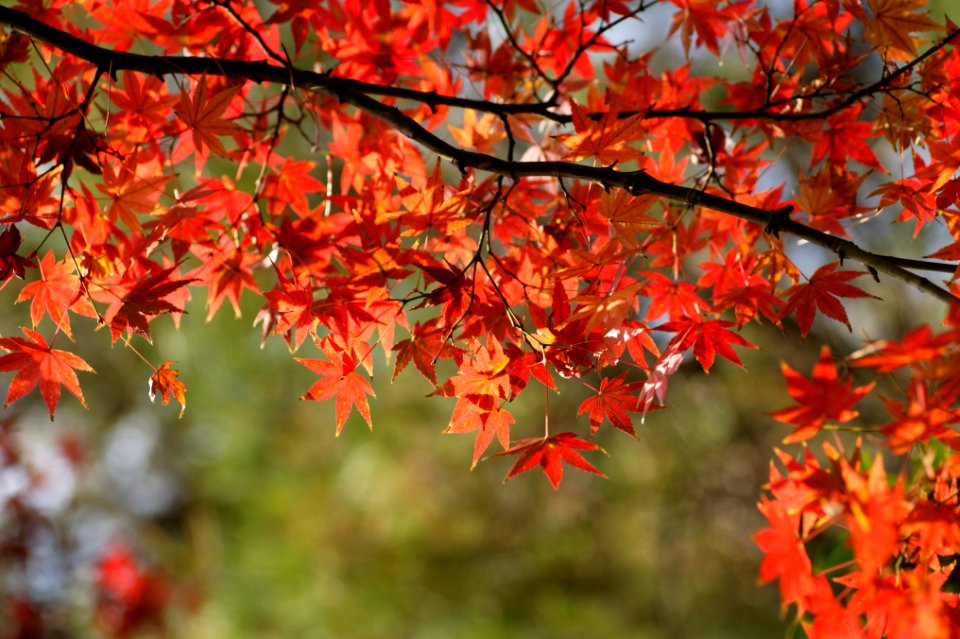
(518, 191)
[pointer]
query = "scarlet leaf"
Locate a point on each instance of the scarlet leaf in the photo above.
(56, 292)
(822, 292)
(145, 298)
(613, 399)
(203, 115)
(39, 364)
(550, 453)
(605, 139)
(708, 338)
(825, 396)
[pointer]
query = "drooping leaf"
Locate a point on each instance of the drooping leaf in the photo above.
(550, 453)
(203, 114)
(164, 381)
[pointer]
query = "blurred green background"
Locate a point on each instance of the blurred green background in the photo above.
(272, 527)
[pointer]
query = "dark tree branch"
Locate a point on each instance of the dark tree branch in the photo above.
(350, 92)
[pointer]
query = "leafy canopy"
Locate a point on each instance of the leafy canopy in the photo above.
(503, 191)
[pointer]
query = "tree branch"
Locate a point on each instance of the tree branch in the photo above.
(350, 92)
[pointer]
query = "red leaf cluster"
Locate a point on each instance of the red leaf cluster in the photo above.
(547, 203)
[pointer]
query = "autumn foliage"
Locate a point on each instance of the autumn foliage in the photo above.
(502, 193)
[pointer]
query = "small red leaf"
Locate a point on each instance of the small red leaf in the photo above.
(614, 398)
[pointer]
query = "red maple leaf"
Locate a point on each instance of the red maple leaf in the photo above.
(339, 378)
(203, 115)
(37, 363)
(549, 453)
(708, 338)
(145, 298)
(785, 557)
(426, 345)
(613, 399)
(605, 139)
(917, 346)
(823, 397)
(822, 291)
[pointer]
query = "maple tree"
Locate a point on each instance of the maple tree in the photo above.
(504, 192)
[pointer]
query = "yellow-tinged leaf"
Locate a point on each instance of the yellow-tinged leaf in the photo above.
(893, 22)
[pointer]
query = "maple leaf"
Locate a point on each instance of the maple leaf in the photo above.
(468, 417)
(203, 115)
(707, 19)
(825, 396)
(627, 215)
(145, 298)
(917, 420)
(613, 399)
(843, 138)
(39, 364)
(485, 377)
(164, 381)
(605, 139)
(550, 453)
(822, 292)
(56, 292)
(785, 557)
(479, 134)
(339, 378)
(892, 23)
(919, 345)
(292, 308)
(708, 338)
(426, 345)
(130, 192)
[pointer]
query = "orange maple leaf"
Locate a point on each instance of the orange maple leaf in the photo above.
(37, 363)
(164, 381)
(893, 22)
(628, 216)
(468, 417)
(56, 292)
(605, 139)
(339, 378)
